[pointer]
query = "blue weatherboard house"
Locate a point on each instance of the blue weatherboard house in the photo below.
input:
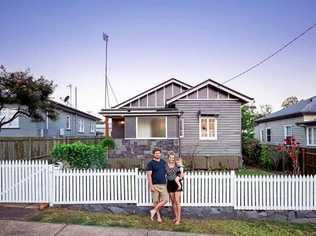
(71, 122)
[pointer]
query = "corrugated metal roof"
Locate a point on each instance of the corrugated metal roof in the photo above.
(307, 106)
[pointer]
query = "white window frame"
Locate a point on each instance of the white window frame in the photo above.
(81, 126)
(166, 130)
(15, 124)
(208, 120)
(181, 124)
(308, 142)
(68, 125)
(262, 135)
(92, 127)
(267, 134)
(284, 130)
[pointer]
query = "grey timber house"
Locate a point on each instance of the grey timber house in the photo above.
(202, 120)
(71, 122)
(298, 121)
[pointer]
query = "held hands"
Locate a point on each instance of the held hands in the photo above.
(152, 188)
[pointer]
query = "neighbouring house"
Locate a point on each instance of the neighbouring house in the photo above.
(298, 121)
(70, 122)
(202, 120)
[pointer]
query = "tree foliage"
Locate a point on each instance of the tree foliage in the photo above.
(26, 95)
(289, 101)
(80, 156)
(247, 122)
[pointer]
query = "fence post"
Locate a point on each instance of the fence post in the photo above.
(51, 185)
(136, 186)
(233, 188)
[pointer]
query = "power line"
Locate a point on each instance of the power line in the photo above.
(272, 55)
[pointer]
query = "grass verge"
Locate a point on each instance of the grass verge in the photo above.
(226, 227)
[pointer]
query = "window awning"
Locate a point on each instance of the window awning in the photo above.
(207, 113)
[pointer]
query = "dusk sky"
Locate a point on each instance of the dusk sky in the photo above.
(152, 41)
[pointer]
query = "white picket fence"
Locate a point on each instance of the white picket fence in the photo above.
(37, 182)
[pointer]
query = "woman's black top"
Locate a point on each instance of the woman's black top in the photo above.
(172, 173)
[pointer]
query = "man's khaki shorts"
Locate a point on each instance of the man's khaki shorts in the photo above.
(160, 194)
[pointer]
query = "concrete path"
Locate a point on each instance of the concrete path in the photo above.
(11, 227)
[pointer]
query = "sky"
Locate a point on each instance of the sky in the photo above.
(153, 41)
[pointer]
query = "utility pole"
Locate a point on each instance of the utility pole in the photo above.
(106, 121)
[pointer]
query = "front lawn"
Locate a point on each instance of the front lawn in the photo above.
(227, 227)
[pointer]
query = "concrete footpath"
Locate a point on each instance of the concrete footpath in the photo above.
(12, 227)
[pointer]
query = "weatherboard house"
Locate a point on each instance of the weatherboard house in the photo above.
(194, 121)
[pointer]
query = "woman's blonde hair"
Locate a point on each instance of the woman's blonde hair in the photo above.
(171, 153)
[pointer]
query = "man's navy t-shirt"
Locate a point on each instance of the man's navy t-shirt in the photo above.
(158, 169)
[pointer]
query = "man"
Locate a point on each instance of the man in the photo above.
(156, 176)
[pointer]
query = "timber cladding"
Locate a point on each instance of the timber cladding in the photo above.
(35, 148)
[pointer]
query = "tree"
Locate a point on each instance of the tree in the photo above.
(264, 110)
(248, 117)
(289, 101)
(25, 95)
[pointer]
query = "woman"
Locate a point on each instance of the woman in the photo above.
(174, 186)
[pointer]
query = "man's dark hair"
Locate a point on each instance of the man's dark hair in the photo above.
(156, 150)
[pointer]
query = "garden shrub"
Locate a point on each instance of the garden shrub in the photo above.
(108, 143)
(251, 151)
(79, 155)
(266, 157)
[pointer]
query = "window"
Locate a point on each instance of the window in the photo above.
(288, 131)
(208, 128)
(68, 123)
(262, 135)
(92, 127)
(311, 136)
(8, 113)
(181, 127)
(268, 134)
(81, 126)
(151, 127)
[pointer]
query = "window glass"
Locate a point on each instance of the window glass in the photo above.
(208, 128)
(314, 136)
(68, 122)
(151, 127)
(204, 127)
(181, 126)
(268, 135)
(309, 135)
(81, 126)
(288, 131)
(211, 126)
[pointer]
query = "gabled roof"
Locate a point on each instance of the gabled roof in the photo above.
(74, 110)
(170, 81)
(303, 107)
(215, 84)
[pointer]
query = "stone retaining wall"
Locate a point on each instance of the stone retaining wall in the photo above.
(201, 212)
(142, 148)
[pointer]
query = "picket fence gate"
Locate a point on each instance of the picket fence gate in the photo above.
(39, 182)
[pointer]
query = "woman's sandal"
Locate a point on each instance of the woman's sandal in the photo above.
(174, 220)
(177, 222)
